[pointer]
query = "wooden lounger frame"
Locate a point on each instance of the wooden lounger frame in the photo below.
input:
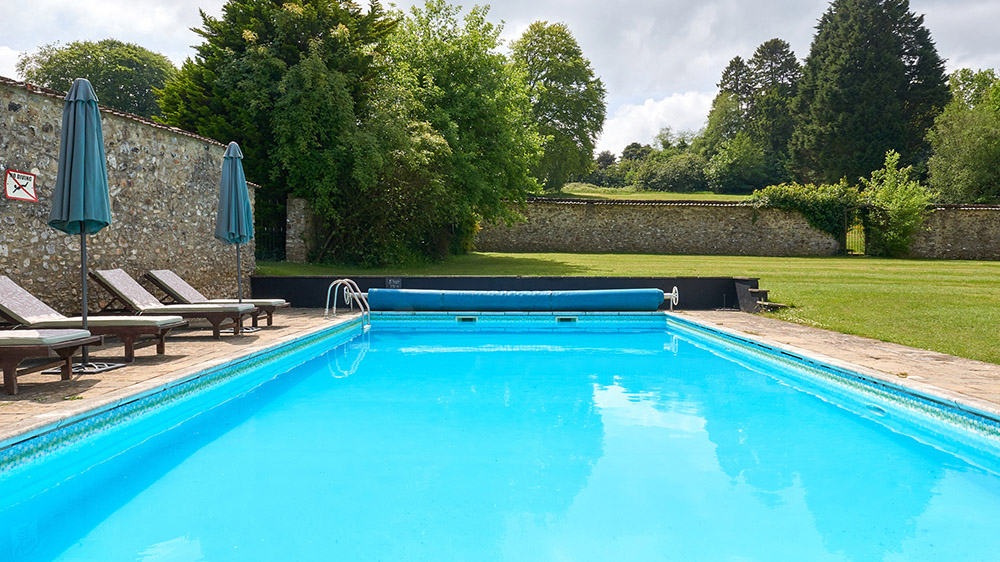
(172, 297)
(215, 318)
(12, 355)
(128, 334)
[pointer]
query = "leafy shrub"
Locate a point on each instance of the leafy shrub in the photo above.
(897, 206)
(738, 167)
(678, 172)
(608, 176)
(824, 206)
(965, 166)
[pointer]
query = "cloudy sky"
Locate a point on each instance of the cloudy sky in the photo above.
(659, 59)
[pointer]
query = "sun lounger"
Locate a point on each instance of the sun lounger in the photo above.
(179, 291)
(18, 345)
(22, 309)
(137, 300)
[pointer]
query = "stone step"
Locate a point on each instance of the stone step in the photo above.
(768, 305)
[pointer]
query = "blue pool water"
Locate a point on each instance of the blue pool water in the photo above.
(540, 445)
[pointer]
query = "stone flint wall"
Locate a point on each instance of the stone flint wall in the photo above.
(657, 228)
(301, 233)
(970, 232)
(164, 194)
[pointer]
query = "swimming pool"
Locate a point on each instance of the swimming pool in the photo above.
(515, 437)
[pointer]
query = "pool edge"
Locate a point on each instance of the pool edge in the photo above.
(925, 392)
(49, 422)
(940, 398)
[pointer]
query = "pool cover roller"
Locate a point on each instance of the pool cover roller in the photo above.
(423, 300)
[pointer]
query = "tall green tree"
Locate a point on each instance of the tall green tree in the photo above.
(873, 82)
(604, 159)
(737, 82)
(773, 66)
(775, 78)
(124, 75)
(636, 151)
(754, 97)
(567, 100)
(725, 121)
(965, 165)
(478, 102)
(730, 108)
(972, 88)
(293, 82)
(325, 108)
(667, 138)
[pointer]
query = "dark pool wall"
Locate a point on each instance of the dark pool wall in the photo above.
(696, 293)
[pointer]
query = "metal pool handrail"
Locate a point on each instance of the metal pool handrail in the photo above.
(351, 293)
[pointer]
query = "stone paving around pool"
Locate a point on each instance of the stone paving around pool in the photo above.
(965, 381)
(44, 399)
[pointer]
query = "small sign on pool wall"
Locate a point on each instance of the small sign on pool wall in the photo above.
(20, 185)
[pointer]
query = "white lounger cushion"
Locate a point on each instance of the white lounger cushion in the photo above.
(110, 321)
(252, 302)
(40, 337)
(197, 308)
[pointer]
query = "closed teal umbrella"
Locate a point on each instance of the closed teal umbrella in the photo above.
(80, 202)
(234, 223)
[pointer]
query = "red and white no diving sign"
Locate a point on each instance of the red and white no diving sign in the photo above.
(20, 185)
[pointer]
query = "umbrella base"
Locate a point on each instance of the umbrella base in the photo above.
(86, 368)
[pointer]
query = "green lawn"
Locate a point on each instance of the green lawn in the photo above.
(589, 191)
(947, 306)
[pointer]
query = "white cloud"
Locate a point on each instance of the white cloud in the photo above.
(8, 58)
(643, 50)
(961, 34)
(157, 25)
(640, 123)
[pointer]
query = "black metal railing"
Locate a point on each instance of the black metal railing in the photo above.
(270, 243)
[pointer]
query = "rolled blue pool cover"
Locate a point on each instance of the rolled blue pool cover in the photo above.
(425, 300)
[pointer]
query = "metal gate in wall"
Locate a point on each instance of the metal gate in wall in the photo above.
(854, 233)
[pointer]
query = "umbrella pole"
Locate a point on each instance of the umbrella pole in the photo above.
(83, 283)
(239, 286)
(239, 273)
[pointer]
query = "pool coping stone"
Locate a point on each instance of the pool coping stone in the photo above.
(69, 413)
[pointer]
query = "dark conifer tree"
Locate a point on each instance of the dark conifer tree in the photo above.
(773, 66)
(872, 82)
(737, 81)
(775, 78)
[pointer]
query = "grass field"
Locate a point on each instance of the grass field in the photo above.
(589, 191)
(947, 306)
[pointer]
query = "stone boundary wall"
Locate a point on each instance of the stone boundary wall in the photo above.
(301, 230)
(959, 232)
(660, 227)
(164, 186)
